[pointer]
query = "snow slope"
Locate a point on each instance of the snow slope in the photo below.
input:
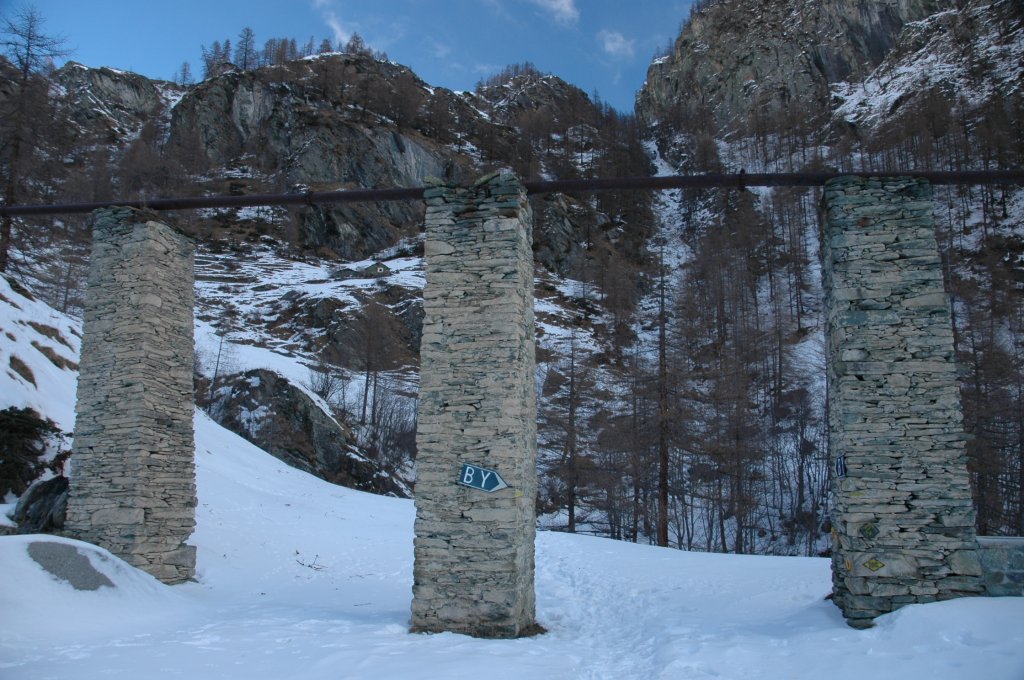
(298, 578)
(301, 579)
(35, 335)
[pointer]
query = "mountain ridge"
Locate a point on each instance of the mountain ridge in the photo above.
(730, 274)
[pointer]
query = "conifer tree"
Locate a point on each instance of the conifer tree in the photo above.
(23, 128)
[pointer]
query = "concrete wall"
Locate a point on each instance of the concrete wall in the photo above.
(132, 473)
(903, 522)
(474, 549)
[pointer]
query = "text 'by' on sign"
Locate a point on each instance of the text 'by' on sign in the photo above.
(481, 478)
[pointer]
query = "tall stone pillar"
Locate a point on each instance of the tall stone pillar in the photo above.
(132, 469)
(474, 546)
(903, 522)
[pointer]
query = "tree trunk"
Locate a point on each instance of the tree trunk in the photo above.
(10, 197)
(663, 458)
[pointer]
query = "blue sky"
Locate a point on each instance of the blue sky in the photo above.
(598, 45)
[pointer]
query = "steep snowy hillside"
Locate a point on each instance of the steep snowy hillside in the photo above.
(677, 335)
(258, 308)
(970, 57)
(265, 326)
(38, 356)
(298, 578)
(845, 86)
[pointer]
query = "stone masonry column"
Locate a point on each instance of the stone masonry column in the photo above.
(132, 471)
(474, 549)
(903, 522)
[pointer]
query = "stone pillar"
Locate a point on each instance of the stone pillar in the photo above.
(903, 522)
(132, 469)
(474, 549)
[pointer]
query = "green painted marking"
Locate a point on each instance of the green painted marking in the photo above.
(868, 531)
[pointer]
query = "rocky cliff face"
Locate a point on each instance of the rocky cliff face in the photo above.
(333, 122)
(112, 104)
(299, 119)
(350, 121)
(966, 61)
(736, 59)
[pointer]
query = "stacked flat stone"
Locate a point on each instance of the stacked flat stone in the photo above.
(903, 522)
(132, 470)
(1002, 565)
(474, 550)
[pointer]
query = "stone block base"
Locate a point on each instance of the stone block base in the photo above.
(132, 476)
(474, 559)
(903, 523)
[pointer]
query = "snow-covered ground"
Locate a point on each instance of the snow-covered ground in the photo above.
(298, 578)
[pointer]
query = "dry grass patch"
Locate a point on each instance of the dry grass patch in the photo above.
(22, 369)
(55, 359)
(49, 332)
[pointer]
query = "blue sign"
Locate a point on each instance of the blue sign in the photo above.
(840, 466)
(477, 477)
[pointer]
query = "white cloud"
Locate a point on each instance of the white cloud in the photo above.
(615, 44)
(563, 11)
(341, 34)
(441, 50)
(327, 13)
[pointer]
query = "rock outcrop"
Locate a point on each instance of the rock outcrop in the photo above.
(739, 58)
(280, 418)
(43, 507)
(112, 104)
(337, 121)
(965, 62)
